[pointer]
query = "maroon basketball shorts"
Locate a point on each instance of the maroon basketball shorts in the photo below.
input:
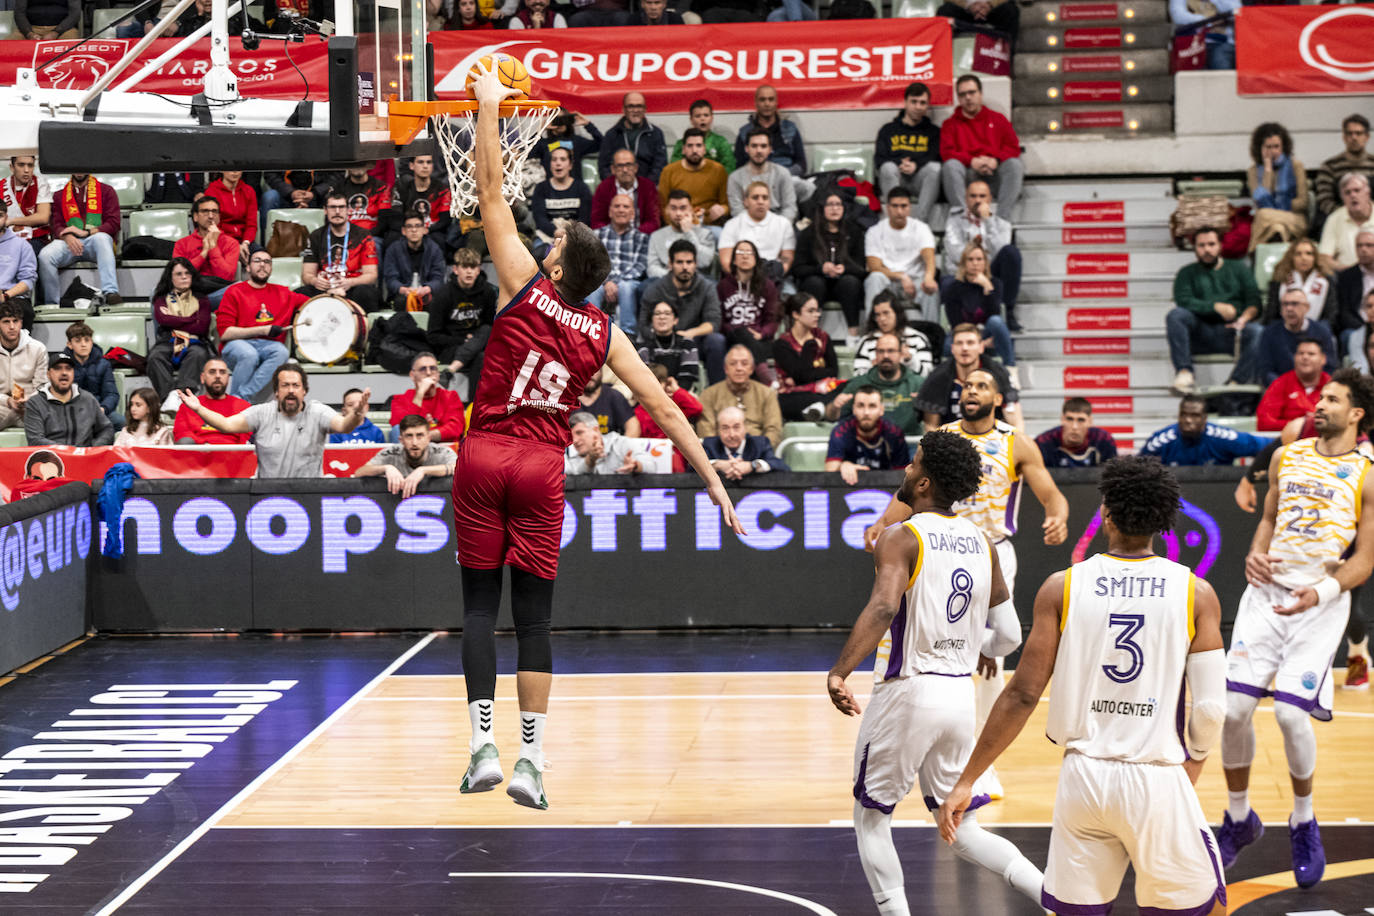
(508, 503)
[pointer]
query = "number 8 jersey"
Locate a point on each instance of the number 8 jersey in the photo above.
(939, 626)
(541, 354)
(1125, 631)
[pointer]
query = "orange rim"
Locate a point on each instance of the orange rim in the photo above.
(407, 119)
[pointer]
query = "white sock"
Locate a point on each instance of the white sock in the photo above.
(1238, 805)
(480, 713)
(532, 738)
(1360, 648)
(878, 856)
(1302, 810)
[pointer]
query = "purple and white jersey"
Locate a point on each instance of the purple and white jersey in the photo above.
(939, 626)
(1125, 632)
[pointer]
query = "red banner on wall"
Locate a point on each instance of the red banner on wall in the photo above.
(857, 63)
(1304, 50)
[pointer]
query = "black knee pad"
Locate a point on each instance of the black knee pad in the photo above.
(531, 601)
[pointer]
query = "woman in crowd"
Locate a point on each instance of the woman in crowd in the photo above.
(975, 297)
(922, 339)
(749, 307)
(467, 16)
(1278, 186)
(143, 424)
(666, 347)
(1300, 268)
(807, 366)
(830, 259)
(691, 408)
(183, 330)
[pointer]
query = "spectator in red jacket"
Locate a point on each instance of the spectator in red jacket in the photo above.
(625, 180)
(977, 142)
(441, 407)
(190, 429)
(691, 408)
(211, 251)
(1295, 393)
(238, 209)
(85, 225)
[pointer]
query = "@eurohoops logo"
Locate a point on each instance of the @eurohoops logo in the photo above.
(1347, 36)
(79, 69)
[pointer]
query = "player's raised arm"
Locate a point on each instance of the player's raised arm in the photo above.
(629, 368)
(895, 557)
(514, 264)
(1030, 464)
(1015, 705)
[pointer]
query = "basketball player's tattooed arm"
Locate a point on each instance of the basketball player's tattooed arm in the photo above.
(895, 557)
(514, 264)
(1259, 565)
(1356, 568)
(1030, 464)
(629, 368)
(1015, 705)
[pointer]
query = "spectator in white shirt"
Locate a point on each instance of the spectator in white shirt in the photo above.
(771, 234)
(900, 253)
(592, 452)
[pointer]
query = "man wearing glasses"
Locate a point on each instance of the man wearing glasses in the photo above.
(340, 258)
(252, 322)
(1354, 158)
(634, 133)
(441, 408)
(213, 252)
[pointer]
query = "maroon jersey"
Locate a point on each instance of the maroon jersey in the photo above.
(541, 354)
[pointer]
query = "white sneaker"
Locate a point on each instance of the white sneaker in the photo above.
(1184, 383)
(484, 771)
(527, 785)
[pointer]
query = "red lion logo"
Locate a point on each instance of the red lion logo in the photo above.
(79, 69)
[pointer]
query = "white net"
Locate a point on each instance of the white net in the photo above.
(520, 129)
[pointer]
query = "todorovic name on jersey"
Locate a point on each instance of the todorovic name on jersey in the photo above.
(1123, 708)
(578, 321)
(1130, 587)
(960, 544)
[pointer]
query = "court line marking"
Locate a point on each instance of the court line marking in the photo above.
(142, 880)
(837, 823)
(667, 879)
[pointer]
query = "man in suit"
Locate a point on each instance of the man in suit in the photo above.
(736, 455)
(1347, 312)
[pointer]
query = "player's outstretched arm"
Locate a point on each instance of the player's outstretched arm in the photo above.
(1015, 705)
(895, 557)
(1030, 464)
(514, 264)
(896, 511)
(629, 368)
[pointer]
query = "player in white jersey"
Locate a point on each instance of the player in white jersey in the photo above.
(1008, 458)
(936, 590)
(1294, 612)
(1120, 632)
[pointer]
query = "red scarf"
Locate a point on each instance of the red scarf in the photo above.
(72, 213)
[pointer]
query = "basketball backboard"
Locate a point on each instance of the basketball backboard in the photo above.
(376, 53)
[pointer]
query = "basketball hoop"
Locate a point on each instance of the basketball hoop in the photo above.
(523, 122)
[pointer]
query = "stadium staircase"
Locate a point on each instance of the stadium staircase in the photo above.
(1093, 68)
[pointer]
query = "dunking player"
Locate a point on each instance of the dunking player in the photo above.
(1294, 611)
(1007, 459)
(508, 484)
(937, 591)
(1120, 632)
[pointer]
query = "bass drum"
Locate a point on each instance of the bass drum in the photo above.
(329, 329)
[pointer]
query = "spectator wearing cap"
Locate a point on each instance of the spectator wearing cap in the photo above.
(93, 371)
(60, 413)
(406, 463)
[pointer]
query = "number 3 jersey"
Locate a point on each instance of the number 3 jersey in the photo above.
(939, 625)
(1125, 631)
(1318, 512)
(540, 356)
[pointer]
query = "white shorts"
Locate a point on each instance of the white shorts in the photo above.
(1006, 556)
(1293, 653)
(1108, 814)
(918, 727)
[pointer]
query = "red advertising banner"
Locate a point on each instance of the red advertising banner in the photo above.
(853, 63)
(1092, 91)
(1304, 50)
(1116, 262)
(1078, 39)
(1087, 120)
(1108, 319)
(1091, 289)
(1114, 236)
(1113, 405)
(1094, 211)
(1097, 377)
(1086, 12)
(1092, 63)
(87, 464)
(850, 63)
(1096, 346)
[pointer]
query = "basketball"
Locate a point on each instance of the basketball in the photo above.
(508, 69)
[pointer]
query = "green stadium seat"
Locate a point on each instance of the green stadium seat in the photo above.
(6, 24)
(311, 218)
(1267, 257)
(590, 173)
(827, 156)
(805, 430)
(13, 438)
(128, 188)
(101, 17)
(286, 271)
(804, 453)
(422, 319)
(163, 223)
(962, 48)
(914, 9)
(127, 331)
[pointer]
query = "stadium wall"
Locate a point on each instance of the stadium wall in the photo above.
(45, 564)
(346, 555)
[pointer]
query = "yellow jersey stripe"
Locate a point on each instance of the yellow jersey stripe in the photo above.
(920, 555)
(1064, 609)
(1192, 591)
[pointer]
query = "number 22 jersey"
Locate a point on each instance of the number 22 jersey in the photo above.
(539, 358)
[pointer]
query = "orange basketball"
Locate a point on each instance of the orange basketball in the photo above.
(508, 69)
